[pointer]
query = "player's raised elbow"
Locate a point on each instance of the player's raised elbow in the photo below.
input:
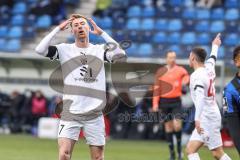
(39, 51)
(120, 57)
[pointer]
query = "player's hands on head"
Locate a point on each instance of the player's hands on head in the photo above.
(198, 127)
(217, 40)
(96, 29)
(64, 25)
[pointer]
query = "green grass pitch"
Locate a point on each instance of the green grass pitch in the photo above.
(22, 147)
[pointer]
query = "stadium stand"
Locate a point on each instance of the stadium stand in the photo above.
(21, 20)
(183, 24)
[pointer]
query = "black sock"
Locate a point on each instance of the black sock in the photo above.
(179, 141)
(169, 138)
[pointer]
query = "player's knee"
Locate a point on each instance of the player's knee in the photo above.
(64, 154)
(217, 155)
(98, 157)
(189, 150)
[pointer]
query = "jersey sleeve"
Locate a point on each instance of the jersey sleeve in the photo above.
(156, 89)
(45, 49)
(211, 61)
(113, 52)
(53, 52)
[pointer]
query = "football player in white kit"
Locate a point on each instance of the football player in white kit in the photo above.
(207, 115)
(84, 110)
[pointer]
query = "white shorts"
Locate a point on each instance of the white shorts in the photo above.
(211, 137)
(94, 130)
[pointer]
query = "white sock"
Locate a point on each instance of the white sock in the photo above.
(225, 157)
(193, 156)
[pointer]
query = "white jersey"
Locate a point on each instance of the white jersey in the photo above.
(202, 88)
(83, 71)
(83, 76)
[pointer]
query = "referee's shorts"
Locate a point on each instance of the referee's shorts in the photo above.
(233, 125)
(170, 108)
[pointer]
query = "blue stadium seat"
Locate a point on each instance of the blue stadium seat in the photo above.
(15, 32)
(29, 33)
(119, 23)
(4, 10)
(203, 14)
(217, 14)
(202, 26)
(2, 44)
(133, 23)
(69, 2)
(147, 3)
(132, 50)
(189, 13)
(232, 14)
(221, 52)
(146, 36)
(160, 37)
(175, 25)
(44, 22)
(134, 11)
(13, 45)
(217, 26)
(175, 12)
(148, 12)
(174, 38)
(175, 3)
(119, 35)
(145, 49)
(133, 35)
(161, 24)
(203, 39)
(188, 38)
(175, 48)
(162, 12)
(120, 3)
(231, 3)
(231, 39)
(106, 23)
(232, 26)
(19, 8)
(134, 2)
(17, 20)
(189, 25)
(3, 31)
(4, 19)
(30, 20)
(118, 14)
(147, 24)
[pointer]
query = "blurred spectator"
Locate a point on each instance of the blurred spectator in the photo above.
(5, 103)
(208, 3)
(120, 118)
(39, 106)
(101, 6)
(9, 3)
(25, 112)
(53, 8)
(53, 103)
(16, 104)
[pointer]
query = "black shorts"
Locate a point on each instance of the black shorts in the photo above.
(233, 125)
(170, 108)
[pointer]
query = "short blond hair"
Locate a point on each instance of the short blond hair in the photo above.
(77, 16)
